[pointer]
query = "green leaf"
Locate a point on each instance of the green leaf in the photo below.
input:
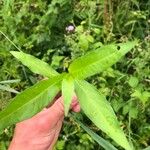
(133, 112)
(67, 92)
(99, 60)
(7, 88)
(133, 81)
(145, 96)
(30, 101)
(34, 64)
(148, 148)
(10, 81)
(2, 145)
(142, 95)
(83, 42)
(99, 111)
(101, 141)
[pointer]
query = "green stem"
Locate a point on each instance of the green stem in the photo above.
(10, 40)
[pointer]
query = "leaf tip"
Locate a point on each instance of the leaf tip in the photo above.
(14, 53)
(66, 113)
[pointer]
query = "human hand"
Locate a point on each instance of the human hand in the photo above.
(42, 130)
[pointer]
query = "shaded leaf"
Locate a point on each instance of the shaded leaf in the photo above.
(67, 92)
(99, 60)
(30, 101)
(34, 64)
(144, 96)
(7, 88)
(2, 145)
(99, 111)
(148, 148)
(133, 113)
(133, 81)
(83, 42)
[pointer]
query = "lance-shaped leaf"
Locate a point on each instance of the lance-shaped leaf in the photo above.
(30, 101)
(7, 88)
(99, 60)
(99, 111)
(101, 141)
(9, 81)
(34, 64)
(67, 92)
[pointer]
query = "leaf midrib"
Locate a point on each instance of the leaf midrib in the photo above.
(89, 96)
(81, 68)
(119, 131)
(50, 72)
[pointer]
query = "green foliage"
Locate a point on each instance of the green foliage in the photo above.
(34, 64)
(31, 99)
(105, 144)
(39, 28)
(104, 118)
(67, 92)
(97, 108)
(99, 60)
(133, 82)
(7, 88)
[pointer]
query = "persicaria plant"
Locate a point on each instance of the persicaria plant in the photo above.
(92, 102)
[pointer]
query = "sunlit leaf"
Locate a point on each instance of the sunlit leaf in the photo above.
(67, 92)
(34, 64)
(99, 111)
(30, 101)
(10, 81)
(99, 60)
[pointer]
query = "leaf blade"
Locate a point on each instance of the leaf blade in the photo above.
(99, 60)
(67, 92)
(34, 64)
(10, 81)
(100, 112)
(29, 102)
(8, 89)
(101, 141)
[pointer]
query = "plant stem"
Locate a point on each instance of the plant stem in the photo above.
(10, 40)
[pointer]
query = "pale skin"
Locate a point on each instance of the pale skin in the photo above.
(42, 130)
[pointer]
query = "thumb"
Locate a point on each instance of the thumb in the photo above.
(58, 107)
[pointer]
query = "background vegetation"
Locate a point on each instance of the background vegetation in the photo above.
(41, 28)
